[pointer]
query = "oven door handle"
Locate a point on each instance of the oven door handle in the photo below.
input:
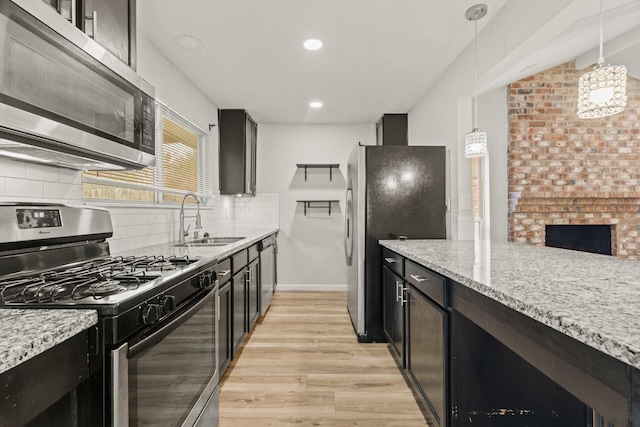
(166, 328)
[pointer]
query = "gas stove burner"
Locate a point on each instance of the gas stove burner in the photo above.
(101, 290)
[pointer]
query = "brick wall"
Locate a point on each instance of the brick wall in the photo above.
(567, 170)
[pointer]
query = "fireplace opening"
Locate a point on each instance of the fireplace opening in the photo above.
(586, 238)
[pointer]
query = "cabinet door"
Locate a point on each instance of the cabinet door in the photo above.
(224, 328)
(108, 22)
(237, 152)
(393, 312)
(427, 326)
(239, 312)
(251, 135)
(254, 292)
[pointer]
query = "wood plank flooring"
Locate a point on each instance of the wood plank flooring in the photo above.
(302, 366)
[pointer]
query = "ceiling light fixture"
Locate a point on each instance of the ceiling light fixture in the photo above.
(602, 91)
(475, 142)
(312, 44)
(189, 43)
(315, 104)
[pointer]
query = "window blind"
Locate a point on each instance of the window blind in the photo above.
(182, 164)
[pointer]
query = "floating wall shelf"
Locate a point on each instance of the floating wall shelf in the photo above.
(324, 204)
(329, 166)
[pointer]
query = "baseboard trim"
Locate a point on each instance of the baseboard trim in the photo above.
(313, 287)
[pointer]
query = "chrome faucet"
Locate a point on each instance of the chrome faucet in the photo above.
(182, 233)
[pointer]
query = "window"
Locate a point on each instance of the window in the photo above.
(181, 166)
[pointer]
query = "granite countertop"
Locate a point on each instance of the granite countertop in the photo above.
(27, 333)
(207, 253)
(592, 298)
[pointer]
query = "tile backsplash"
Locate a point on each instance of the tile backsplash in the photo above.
(136, 226)
(20, 181)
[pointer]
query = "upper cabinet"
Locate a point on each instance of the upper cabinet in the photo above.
(238, 137)
(111, 23)
(391, 129)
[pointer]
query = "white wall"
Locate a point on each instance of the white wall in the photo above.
(444, 114)
(311, 254)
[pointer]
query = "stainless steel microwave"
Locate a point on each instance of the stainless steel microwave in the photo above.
(64, 99)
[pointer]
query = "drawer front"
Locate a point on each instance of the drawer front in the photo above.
(431, 284)
(267, 241)
(392, 260)
(240, 261)
(253, 252)
(223, 271)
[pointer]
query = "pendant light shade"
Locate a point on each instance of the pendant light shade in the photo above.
(475, 142)
(602, 91)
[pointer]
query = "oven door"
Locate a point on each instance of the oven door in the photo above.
(167, 376)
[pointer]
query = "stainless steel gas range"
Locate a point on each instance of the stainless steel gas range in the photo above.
(157, 315)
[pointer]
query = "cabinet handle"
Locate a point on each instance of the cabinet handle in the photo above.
(391, 260)
(403, 301)
(73, 12)
(419, 279)
(95, 24)
(224, 273)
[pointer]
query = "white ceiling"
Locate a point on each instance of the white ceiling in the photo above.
(379, 56)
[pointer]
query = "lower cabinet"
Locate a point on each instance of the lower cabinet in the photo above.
(239, 296)
(427, 352)
(224, 327)
(393, 312)
(253, 292)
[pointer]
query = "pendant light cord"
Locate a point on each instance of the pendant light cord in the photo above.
(601, 58)
(475, 80)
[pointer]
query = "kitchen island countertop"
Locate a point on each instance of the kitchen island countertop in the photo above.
(25, 334)
(594, 299)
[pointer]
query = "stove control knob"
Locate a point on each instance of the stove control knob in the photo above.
(204, 280)
(151, 313)
(168, 303)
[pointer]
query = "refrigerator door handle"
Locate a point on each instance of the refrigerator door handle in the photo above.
(348, 227)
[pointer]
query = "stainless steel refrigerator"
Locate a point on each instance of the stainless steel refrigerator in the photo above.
(392, 191)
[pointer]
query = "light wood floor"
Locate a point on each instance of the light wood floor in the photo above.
(302, 366)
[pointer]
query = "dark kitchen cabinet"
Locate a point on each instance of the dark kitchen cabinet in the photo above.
(393, 288)
(238, 144)
(224, 328)
(427, 352)
(35, 395)
(225, 310)
(238, 298)
(392, 129)
(253, 292)
(111, 23)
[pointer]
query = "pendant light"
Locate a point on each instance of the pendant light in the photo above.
(602, 91)
(475, 142)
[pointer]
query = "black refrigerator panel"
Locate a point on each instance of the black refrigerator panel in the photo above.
(405, 196)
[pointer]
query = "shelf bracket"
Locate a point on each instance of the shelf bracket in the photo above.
(305, 174)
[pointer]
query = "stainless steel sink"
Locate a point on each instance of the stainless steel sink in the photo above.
(210, 241)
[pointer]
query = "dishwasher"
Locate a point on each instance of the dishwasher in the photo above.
(268, 270)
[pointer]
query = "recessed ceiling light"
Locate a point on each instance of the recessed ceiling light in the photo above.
(188, 42)
(315, 104)
(312, 44)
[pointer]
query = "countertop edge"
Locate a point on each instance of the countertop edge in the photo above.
(27, 333)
